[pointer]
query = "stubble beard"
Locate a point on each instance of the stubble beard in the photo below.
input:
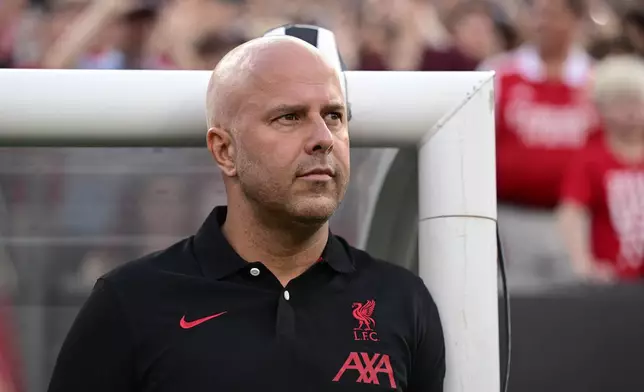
(281, 205)
(284, 208)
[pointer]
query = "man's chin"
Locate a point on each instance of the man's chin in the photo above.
(314, 211)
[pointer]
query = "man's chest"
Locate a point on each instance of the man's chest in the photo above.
(546, 114)
(344, 342)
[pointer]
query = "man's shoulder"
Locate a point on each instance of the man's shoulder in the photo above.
(503, 64)
(175, 259)
(386, 273)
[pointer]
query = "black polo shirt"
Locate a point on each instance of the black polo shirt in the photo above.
(196, 317)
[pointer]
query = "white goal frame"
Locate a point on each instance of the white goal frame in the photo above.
(448, 116)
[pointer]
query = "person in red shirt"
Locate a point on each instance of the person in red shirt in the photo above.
(543, 111)
(7, 374)
(9, 366)
(604, 184)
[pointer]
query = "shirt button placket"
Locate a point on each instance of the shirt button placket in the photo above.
(285, 317)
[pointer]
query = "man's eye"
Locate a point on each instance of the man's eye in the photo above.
(289, 117)
(334, 116)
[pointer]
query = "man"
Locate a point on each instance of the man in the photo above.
(263, 297)
(601, 213)
(544, 115)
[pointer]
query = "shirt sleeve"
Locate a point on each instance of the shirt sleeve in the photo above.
(97, 354)
(428, 363)
(576, 185)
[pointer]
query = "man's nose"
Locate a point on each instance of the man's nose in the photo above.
(321, 140)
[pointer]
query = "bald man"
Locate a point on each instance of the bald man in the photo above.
(263, 297)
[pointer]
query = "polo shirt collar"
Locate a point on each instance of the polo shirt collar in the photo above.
(218, 259)
(576, 71)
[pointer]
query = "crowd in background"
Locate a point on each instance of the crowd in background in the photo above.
(373, 34)
(570, 94)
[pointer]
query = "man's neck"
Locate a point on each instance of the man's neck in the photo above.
(286, 250)
(554, 60)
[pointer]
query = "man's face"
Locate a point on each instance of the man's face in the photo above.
(294, 122)
(475, 36)
(623, 116)
(554, 22)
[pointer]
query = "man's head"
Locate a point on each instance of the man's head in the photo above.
(474, 31)
(277, 122)
(618, 90)
(556, 22)
(212, 46)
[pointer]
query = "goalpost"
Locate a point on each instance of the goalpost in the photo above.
(448, 116)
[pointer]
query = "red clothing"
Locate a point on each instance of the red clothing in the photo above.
(540, 124)
(371, 61)
(450, 59)
(613, 193)
(8, 356)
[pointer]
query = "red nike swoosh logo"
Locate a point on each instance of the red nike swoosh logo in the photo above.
(191, 324)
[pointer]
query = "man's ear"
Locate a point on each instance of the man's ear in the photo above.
(222, 147)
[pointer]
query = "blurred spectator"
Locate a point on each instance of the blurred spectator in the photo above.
(633, 25)
(479, 30)
(9, 365)
(194, 33)
(9, 12)
(543, 113)
(212, 46)
(410, 35)
(11, 18)
(602, 205)
(119, 34)
(100, 34)
(379, 30)
(137, 26)
(470, 38)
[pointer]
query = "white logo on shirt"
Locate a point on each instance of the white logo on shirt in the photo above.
(625, 197)
(546, 125)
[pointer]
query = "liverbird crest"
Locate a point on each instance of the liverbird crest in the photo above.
(363, 312)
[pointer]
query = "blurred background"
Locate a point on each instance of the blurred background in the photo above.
(573, 236)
